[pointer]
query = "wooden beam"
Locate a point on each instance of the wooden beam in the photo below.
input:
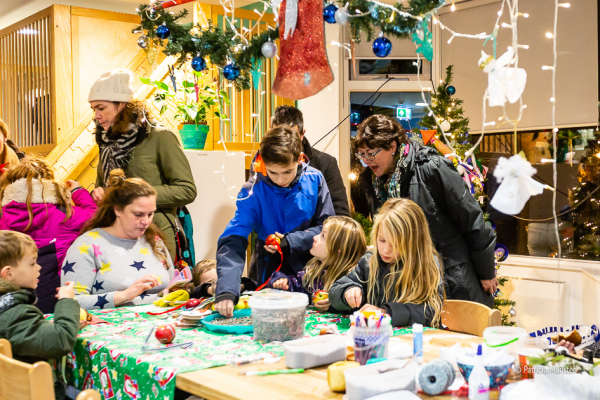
(101, 14)
(62, 71)
(24, 22)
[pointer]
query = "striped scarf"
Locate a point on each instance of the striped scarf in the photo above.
(114, 152)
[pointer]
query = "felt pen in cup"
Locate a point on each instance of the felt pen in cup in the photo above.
(274, 372)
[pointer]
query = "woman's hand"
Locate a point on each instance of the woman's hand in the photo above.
(146, 282)
(323, 305)
(282, 284)
(98, 194)
(568, 345)
(273, 249)
(225, 308)
(490, 285)
(353, 297)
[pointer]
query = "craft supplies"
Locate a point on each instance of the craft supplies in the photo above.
(335, 374)
(190, 319)
(526, 367)
(165, 333)
(237, 325)
(232, 321)
(418, 343)
(320, 295)
(436, 376)
(479, 381)
(507, 338)
(274, 372)
(312, 352)
(371, 331)
(278, 315)
(386, 376)
(169, 345)
(247, 359)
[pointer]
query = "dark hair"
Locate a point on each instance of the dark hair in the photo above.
(134, 112)
(122, 192)
(281, 146)
(379, 131)
(288, 116)
(13, 246)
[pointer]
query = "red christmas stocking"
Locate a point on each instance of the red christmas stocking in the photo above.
(303, 66)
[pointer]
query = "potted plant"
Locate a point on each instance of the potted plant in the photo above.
(193, 104)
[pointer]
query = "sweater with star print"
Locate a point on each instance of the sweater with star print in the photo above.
(101, 264)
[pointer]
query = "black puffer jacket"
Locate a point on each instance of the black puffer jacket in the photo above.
(403, 314)
(456, 222)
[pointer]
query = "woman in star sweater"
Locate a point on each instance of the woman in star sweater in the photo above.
(120, 259)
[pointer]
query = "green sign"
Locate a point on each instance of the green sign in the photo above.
(403, 113)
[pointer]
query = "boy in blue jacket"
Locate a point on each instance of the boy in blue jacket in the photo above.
(285, 197)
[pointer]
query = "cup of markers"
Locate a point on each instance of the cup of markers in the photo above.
(371, 331)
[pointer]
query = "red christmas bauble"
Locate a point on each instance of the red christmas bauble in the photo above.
(272, 240)
(165, 334)
(192, 303)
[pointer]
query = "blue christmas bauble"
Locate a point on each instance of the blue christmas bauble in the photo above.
(198, 64)
(329, 13)
(231, 72)
(450, 90)
(163, 32)
(355, 118)
(382, 46)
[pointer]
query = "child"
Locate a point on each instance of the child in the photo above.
(402, 276)
(204, 278)
(336, 250)
(283, 195)
(35, 204)
(31, 337)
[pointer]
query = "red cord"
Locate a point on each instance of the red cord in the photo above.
(277, 270)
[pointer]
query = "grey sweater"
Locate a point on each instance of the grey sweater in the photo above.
(101, 264)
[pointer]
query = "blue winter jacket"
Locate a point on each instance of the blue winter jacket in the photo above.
(297, 211)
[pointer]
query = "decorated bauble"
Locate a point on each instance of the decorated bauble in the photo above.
(355, 119)
(320, 295)
(341, 16)
(272, 240)
(198, 64)
(445, 126)
(382, 46)
(165, 333)
(143, 42)
(192, 303)
(84, 316)
(231, 72)
(329, 13)
(499, 293)
(451, 90)
(512, 312)
(269, 49)
(163, 32)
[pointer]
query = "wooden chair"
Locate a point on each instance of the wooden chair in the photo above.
(469, 317)
(22, 381)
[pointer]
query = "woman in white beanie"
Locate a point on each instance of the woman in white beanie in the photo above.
(127, 141)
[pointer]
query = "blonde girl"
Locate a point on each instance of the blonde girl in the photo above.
(336, 250)
(401, 276)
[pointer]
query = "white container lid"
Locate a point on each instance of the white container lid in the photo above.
(273, 299)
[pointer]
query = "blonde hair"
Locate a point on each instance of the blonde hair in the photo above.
(4, 129)
(200, 268)
(415, 277)
(31, 168)
(13, 246)
(345, 243)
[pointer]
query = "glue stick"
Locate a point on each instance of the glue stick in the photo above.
(417, 331)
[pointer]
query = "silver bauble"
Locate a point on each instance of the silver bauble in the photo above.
(269, 49)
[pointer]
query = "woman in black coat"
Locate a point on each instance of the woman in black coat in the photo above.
(399, 167)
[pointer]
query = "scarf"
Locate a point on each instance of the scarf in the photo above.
(390, 187)
(115, 151)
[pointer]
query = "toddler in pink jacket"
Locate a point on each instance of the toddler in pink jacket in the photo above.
(35, 204)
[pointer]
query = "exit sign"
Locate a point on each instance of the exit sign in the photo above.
(403, 113)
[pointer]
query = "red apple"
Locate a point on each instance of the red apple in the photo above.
(192, 303)
(272, 240)
(165, 334)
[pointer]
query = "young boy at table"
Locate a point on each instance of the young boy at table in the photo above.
(204, 279)
(31, 337)
(285, 197)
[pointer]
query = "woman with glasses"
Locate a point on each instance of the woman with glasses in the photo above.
(399, 167)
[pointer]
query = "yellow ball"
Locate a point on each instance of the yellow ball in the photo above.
(335, 374)
(84, 315)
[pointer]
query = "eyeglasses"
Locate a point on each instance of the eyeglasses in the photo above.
(367, 157)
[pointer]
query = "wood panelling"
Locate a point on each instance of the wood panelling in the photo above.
(61, 71)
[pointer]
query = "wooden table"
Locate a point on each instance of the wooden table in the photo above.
(226, 383)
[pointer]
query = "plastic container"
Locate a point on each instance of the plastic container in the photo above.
(498, 365)
(232, 329)
(507, 338)
(312, 352)
(479, 381)
(278, 315)
(370, 342)
(386, 376)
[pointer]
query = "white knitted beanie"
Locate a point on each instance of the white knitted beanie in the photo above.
(112, 86)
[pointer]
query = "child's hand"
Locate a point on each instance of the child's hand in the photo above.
(98, 194)
(570, 346)
(67, 291)
(281, 284)
(273, 249)
(225, 308)
(353, 297)
(83, 324)
(322, 305)
(72, 185)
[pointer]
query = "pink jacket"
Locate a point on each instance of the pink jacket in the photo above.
(47, 225)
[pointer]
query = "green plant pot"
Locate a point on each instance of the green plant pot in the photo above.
(193, 137)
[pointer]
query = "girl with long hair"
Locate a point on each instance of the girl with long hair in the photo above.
(401, 276)
(336, 250)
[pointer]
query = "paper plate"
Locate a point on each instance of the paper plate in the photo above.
(195, 314)
(233, 329)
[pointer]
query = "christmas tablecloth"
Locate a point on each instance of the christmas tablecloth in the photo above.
(108, 357)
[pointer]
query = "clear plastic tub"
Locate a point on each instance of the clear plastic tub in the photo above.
(312, 352)
(507, 338)
(373, 379)
(278, 315)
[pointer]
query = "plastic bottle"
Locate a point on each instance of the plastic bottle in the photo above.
(417, 330)
(479, 380)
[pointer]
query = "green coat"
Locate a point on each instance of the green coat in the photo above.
(159, 160)
(31, 337)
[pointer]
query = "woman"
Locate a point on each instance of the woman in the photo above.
(9, 153)
(399, 167)
(129, 142)
(120, 259)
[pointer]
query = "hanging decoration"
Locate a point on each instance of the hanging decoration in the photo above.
(231, 72)
(329, 13)
(341, 15)
(143, 42)
(504, 82)
(422, 39)
(382, 46)
(303, 66)
(163, 31)
(198, 64)
(269, 49)
(451, 90)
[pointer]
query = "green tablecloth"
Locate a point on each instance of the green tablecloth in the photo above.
(108, 357)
